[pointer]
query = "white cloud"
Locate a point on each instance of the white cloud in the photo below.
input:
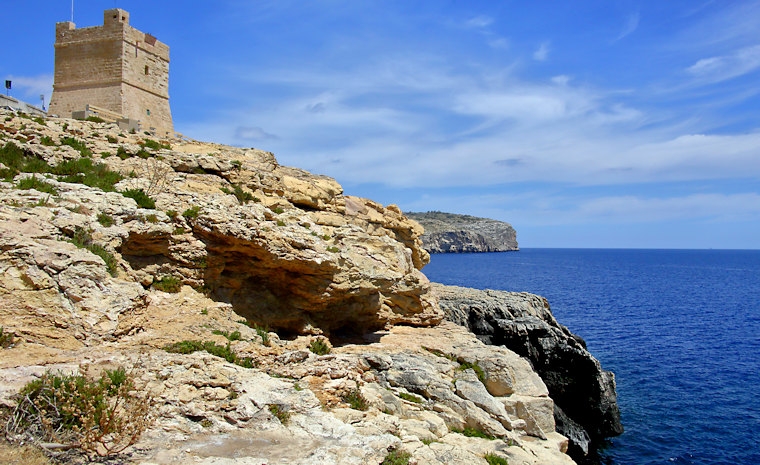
(631, 24)
(479, 22)
(542, 52)
(725, 67)
(33, 86)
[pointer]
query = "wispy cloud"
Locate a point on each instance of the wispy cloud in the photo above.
(631, 24)
(479, 22)
(721, 68)
(34, 86)
(542, 52)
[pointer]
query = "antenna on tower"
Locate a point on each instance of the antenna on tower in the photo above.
(72, 11)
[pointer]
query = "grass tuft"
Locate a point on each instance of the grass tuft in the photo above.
(397, 457)
(319, 347)
(356, 400)
(494, 459)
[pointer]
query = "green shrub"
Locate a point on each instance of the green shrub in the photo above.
(6, 339)
(242, 196)
(319, 347)
(172, 214)
(192, 212)
(280, 413)
(95, 119)
(225, 352)
(111, 263)
(153, 145)
(233, 336)
(17, 161)
(122, 153)
(356, 400)
(112, 139)
(77, 145)
(39, 120)
(102, 416)
(84, 171)
(170, 284)
(82, 238)
(478, 370)
(410, 397)
(333, 249)
(138, 195)
(473, 433)
(151, 218)
(47, 141)
(494, 459)
(278, 210)
(36, 184)
(105, 220)
(397, 457)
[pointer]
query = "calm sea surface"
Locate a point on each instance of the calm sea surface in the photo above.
(680, 329)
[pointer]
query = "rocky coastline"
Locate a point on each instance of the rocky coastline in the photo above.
(264, 315)
(452, 233)
(585, 397)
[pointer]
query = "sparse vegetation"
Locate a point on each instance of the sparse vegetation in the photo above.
(153, 145)
(233, 336)
(112, 139)
(47, 141)
(82, 238)
(356, 400)
(397, 457)
(494, 459)
(95, 119)
(410, 397)
(37, 184)
(78, 145)
(105, 220)
(225, 352)
(138, 195)
(319, 346)
(476, 368)
(473, 433)
(280, 413)
(192, 213)
(242, 196)
(7, 339)
(333, 249)
(84, 171)
(170, 284)
(278, 210)
(102, 416)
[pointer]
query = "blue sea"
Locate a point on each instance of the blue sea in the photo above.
(680, 329)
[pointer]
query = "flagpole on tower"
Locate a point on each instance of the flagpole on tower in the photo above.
(72, 11)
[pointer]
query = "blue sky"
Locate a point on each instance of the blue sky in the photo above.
(584, 124)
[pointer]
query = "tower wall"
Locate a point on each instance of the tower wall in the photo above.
(115, 67)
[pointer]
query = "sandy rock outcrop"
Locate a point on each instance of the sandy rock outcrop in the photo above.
(91, 281)
(452, 233)
(586, 408)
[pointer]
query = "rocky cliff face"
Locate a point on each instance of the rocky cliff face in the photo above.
(93, 277)
(451, 233)
(586, 408)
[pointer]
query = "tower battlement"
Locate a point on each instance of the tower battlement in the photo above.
(115, 67)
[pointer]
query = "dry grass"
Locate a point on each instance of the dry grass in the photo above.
(22, 455)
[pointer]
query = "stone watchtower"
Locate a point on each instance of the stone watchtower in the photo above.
(114, 71)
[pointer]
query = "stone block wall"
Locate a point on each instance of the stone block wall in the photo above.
(113, 66)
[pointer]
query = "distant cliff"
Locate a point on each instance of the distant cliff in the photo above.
(452, 233)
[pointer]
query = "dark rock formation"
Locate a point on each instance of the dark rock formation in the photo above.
(448, 232)
(586, 402)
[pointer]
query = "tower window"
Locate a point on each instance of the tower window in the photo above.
(147, 71)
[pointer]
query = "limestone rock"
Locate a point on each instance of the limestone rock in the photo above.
(451, 233)
(523, 322)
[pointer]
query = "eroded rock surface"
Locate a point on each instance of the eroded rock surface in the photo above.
(91, 281)
(584, 393)
(452, 233)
